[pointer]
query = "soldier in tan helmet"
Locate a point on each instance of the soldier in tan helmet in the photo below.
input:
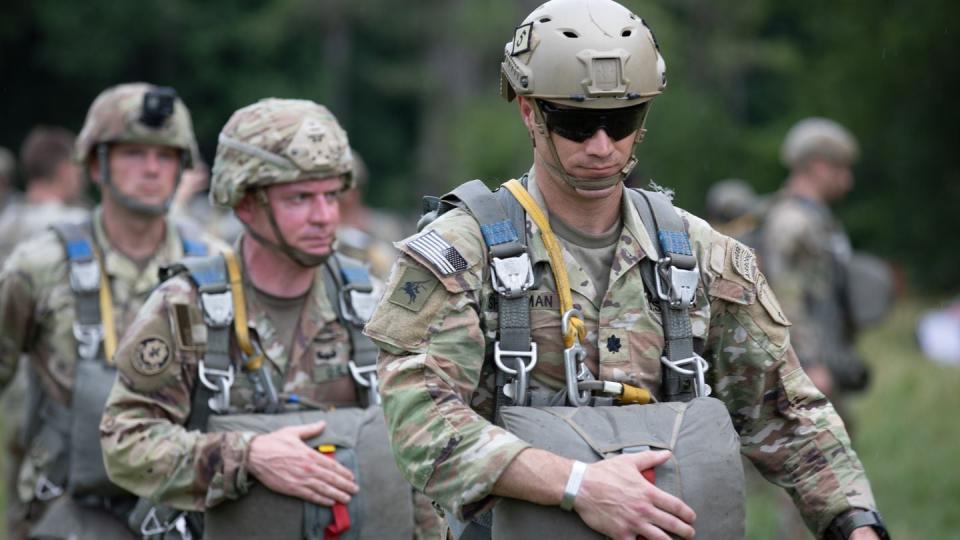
(572, 343)
(68, 294)
(251, 364)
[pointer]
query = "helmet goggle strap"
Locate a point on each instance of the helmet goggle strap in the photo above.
(579, 125)
(127, 201)
(300, 257)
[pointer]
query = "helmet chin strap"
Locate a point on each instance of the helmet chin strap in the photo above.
(576, 182)
(298, 256)
(131, 203)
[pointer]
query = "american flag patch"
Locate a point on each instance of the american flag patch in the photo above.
(441, 255)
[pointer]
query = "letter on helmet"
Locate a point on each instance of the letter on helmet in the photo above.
(277, 141)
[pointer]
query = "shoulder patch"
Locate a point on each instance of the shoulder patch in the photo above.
(439, 253)
(745, 262)
(152, 356)
(414, 288)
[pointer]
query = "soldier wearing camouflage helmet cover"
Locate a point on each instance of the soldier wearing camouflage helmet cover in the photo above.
(281, 164)
(69, 293)
(584, 73)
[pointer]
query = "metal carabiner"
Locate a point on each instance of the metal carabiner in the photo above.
(574, 368)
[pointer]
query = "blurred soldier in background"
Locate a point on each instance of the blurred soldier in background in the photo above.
(734, 209)
(192, 204)
(828, 291)
(68, 294)
(54, 187)
(365, 233)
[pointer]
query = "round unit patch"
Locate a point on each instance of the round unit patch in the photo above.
(153, 355)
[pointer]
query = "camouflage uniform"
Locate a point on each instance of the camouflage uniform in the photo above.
(435, 328)
(37, 309)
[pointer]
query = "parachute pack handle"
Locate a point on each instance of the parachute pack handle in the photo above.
(341, 514)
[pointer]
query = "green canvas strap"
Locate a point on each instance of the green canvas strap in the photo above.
(672, 281)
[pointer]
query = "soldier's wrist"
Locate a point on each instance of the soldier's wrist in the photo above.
(842, 527)
(572, 487)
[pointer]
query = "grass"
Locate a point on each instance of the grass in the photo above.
(907, 437)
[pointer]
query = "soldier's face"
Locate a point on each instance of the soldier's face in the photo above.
(307, 213)
(598, 156)
(144, 172)
(834, 179)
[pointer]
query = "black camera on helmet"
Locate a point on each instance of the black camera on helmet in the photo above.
(158, 105)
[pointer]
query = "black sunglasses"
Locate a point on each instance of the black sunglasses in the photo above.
(579, 125)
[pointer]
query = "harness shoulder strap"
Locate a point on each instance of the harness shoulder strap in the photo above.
(215, 371)
(673, 281)
(502, 224)
(348, 285)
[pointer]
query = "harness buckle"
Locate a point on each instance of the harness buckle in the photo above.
(357, 303)
(366, 376)
(700, 367)
(45, 490)
(511, 276)
(219, 403)
(676, 285)
(217, 308)
(89, 337)
(574, 368)
(517, 391)
(85, 276)
(152, 526)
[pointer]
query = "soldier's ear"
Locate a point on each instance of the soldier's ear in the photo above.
(93, 169)
(246, 208)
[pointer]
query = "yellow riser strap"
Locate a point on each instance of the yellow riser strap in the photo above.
(556, 259)
(106, 315)
(240, 311)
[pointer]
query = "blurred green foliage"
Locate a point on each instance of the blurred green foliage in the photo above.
(416, 86)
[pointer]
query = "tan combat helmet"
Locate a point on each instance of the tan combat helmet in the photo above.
(135, 113)
(278, 141)
(588, 54)
(818, 137)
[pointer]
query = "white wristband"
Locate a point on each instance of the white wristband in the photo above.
(573, 485)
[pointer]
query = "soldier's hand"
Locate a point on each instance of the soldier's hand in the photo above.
(616, 500)
(284, 463)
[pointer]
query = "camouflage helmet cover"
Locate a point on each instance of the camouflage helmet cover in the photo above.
(583, 53)
(276, 141)
(115, 116)
(818, 137)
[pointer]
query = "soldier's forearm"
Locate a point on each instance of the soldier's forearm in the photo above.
(535, 475)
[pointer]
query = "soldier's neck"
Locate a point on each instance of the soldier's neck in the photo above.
(590, 212)
(274, 273)
(135, 235)
(799, 185)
